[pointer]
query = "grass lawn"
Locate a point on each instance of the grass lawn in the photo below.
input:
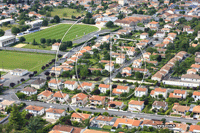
(30, 46)
(69, 12)
(57, 32)
(2, 73)
(29, 61)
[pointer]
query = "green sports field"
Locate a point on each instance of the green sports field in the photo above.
(58, 31)
(30, 61)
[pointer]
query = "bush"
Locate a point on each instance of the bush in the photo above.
(20, 95)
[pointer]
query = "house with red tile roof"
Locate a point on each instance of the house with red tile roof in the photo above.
(101, 120)
(45, 95)
(178, 94)
(134, 105)
(71, 85)
(53, 113)
(97, 100)
(159, 91)
(104, 87)
(151, 123)
(159, 104)
(86, 86)
(115, 104)
(194, 128)
(79, 99)
(79, 117)
(144, 36)
(66, 129)
(180, 109)
(61, 97)
(54, 84)
(29, 91)
(196, 96)
(137, 63)
(180, 127)
(153, 24)
(130, 123)
(126, 71)
(120, 89)
(196, 111)
(35, 110)
(140, 91)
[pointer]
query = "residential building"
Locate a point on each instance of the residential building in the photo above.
(159, 104)
(152, 24)
(196, 67)
(190, 78)
(135, 105)
(61, 97)
(103, 88)
(179, 127)
(29, 91)
(130, 123)
(55, 46)
(53, 113)
(194, 129)
(144, 36)
(179, 109)
(151, 123)
(139, 91)
(38, 83)
(137, 63)
(66, 129)
(159, 91)
(71, 85)
(79, 99)
(79, 117)
(86, 86)
(6, 103)
(126, 71)
(120, 59)
(97, 100)
(109, 67)
(100, 121)
(178, 94)
(56, 70)
(45, 95)
(55, 84)
(35, 110)
(196, 96)
(191, 71)
(120, 89)
(196, 112)
(115, 104)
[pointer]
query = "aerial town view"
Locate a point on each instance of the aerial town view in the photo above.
(99, 66)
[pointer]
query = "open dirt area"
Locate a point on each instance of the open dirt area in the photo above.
(20, 45)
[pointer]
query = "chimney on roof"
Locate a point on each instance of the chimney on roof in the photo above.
(153, 122)
(126, 120)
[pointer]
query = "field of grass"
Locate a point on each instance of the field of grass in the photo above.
(68, 11)
(30, 46)
(30, 61)
(57, 32)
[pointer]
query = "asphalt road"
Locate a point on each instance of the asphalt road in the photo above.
(118, 113)
(31, 50)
